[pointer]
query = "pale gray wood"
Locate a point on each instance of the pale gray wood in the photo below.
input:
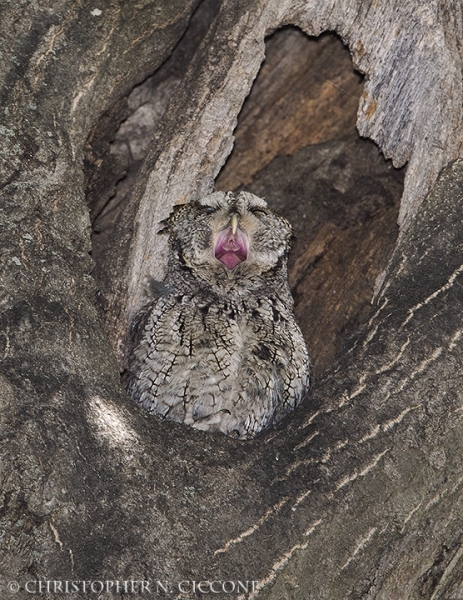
(411, 104)
(359, 494)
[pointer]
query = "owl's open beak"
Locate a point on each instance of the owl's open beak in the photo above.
(231, 244)
(234, 223)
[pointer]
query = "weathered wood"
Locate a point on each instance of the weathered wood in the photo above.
(410, 108)
(393, 407)
(306, 92)
(358, 494)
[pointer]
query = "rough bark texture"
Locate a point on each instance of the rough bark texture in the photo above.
(296, 145)
(411, 106)
(358, 495)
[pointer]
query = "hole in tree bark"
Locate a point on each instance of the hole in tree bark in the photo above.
(119, 142)
(296, 145)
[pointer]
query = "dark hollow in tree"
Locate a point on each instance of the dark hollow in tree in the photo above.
(359, 492)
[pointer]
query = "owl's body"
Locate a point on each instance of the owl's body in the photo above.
(219, 348)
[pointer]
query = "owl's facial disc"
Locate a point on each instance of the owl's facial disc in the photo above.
(231, 245)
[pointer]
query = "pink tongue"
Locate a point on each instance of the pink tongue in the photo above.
(231, 248)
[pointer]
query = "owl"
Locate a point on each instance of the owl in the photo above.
(218, 347)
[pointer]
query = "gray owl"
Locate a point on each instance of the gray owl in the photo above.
(218, 348)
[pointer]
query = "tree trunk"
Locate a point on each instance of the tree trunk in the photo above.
(358, 493)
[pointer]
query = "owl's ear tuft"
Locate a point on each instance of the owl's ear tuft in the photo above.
(165, 226)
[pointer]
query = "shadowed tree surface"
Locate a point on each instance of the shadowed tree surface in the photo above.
(356, 495)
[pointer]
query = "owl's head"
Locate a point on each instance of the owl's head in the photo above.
(225, 240)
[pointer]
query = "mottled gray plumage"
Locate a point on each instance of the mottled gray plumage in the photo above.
(219, 348)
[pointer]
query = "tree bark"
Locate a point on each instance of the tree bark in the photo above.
(358, 493)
